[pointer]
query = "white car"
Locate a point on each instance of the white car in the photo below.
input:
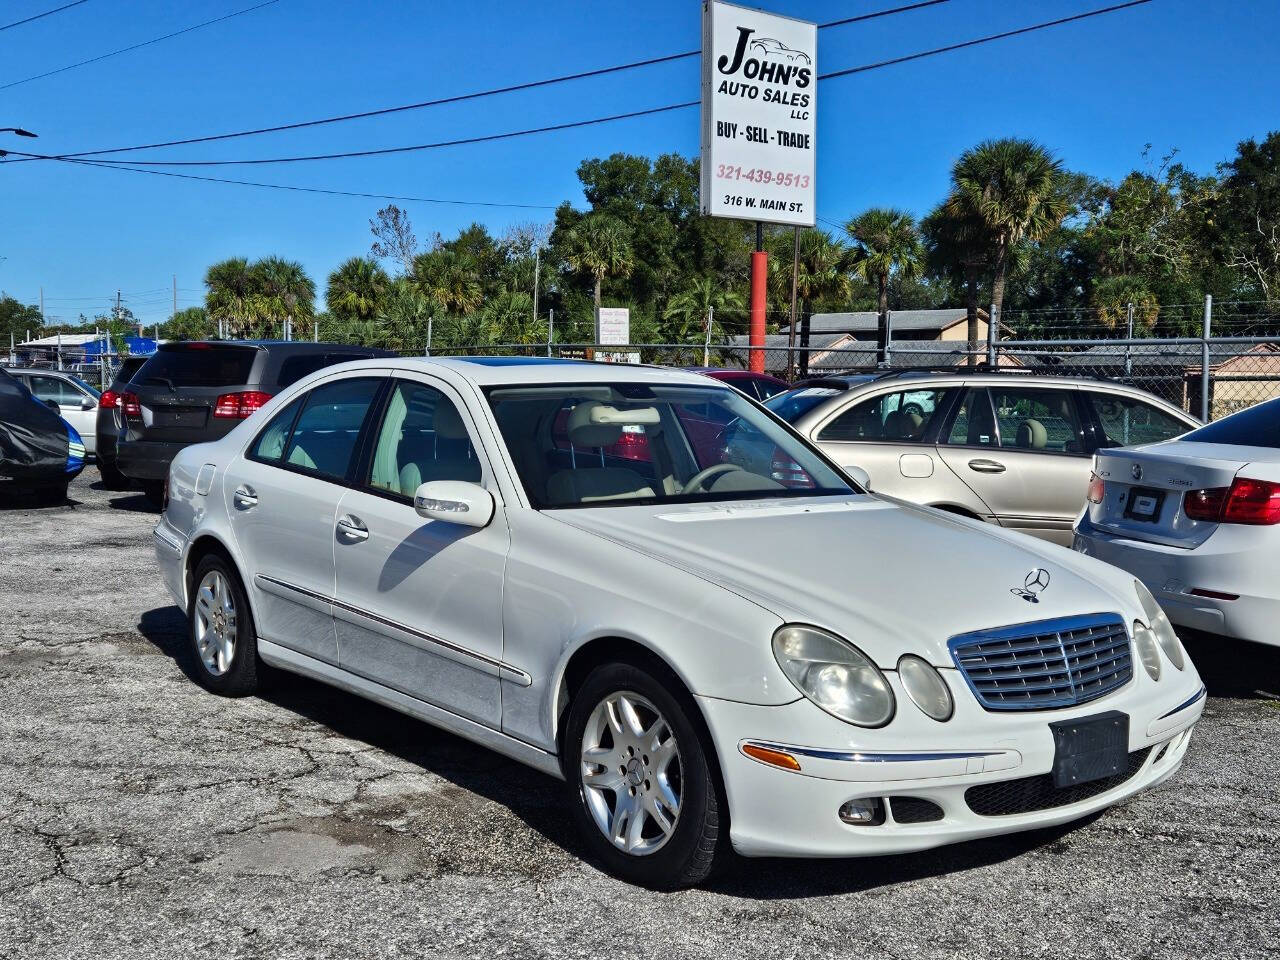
(707, 655)
(77, 402)
(1197, 519)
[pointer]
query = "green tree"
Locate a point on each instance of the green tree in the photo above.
(823, 275)
(403, 312)
(599, 245)
(687, 312)
(356, 289)
(957, 246)
(282, 295)
(1249, 215)
(886, 243)
(229, 291)
(1013, 187)
(16, 318)
(449, 279)
(193, 323)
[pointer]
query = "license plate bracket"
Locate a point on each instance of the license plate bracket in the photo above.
(1144, 504)
(1090, 748)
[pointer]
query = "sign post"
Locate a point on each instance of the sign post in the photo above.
(759, 110)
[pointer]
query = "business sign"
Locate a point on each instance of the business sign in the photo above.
(759, 110)
(613, 326)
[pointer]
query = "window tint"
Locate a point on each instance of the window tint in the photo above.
(294, 369)
(1127, 422)
(767, 388)
(1256, 427)
(902, 417)
(794, 404)
(422, 438)
(325, 435)
(55, 389)
(1037, 419)
(270, 443)
(974, 425)
(200, 365)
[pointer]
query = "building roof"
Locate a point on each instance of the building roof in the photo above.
(65, 340)
(830, 352)
(1175, 357)
(903, 321)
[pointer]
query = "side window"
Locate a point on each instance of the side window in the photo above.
(1038, 419)
(974, 425)
(422, 438)
(294, 369)
(55, 389)
(767, 388)
(324, 438)
(902, 417)
(1127, 422)
(269, 447)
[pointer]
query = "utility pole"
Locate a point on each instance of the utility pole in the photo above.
(537, 268)
(706, 340)
(41, 312)
(175, 296)
(1204, 358)
(759, 297)
(791, 328)
(1128, 347)
(551, 328)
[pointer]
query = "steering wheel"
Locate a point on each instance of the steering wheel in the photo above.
(913, 407)
(699, 479)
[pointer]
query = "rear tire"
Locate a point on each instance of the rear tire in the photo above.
(649, 803)
(154, 492)
(112, 478)
(224, 640)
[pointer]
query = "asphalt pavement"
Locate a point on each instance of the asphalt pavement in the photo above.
(142, 817)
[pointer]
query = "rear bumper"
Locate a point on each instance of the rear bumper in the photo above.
(1228, 562)
(146, 459)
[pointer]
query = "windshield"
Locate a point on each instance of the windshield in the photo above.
(596, 444)
(794, 404)
(1255, 427)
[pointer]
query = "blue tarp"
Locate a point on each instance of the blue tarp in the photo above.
(137, 346)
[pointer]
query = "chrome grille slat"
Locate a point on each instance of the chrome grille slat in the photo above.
(1047, 664)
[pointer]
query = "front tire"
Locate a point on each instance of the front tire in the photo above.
(224, 641)
(645, 791)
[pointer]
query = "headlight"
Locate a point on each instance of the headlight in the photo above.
(834, 674)
(1145, 641)
(1160, 626)
(925, 687)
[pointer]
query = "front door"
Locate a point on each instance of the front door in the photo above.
(282, 498)
(75, 406)
(419, 602)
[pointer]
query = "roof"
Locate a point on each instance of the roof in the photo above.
(498, 371)
(906, 321)
(1177, 357)
(842, 351)
(65, 340)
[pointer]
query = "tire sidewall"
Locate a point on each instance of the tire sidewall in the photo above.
(242, 676)
(675, 863)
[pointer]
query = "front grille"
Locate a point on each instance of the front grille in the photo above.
(1046, 664)
(1038, 793)
(914, 810)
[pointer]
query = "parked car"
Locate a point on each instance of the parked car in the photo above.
(1012, 449)
(40, 453)
(110, 423)
(75, 399)
(194, 392)
(412, 531)
(1197, 520)
(757, 386)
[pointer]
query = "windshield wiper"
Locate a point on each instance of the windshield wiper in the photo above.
(165, 380)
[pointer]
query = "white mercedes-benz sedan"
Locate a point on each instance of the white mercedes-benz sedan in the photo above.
(1197, 519)
(565, 562)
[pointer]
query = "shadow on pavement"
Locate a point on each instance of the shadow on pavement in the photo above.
(541, 802)
(133, 502)
(1234, 668)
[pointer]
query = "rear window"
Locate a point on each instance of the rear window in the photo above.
(1256, 427)
(202, 366)
(794, 404)
(294, 369)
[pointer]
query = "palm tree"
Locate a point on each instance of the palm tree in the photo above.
(356, 289)
(886, 241)
(959, 246)
(229, 295)
(823, 274)
(282, 293)
(1013, 188)
(403, 311)
(449, 279)
(689, 309)
(599, 246)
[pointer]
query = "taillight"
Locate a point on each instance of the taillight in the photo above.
(789, 473)
(109, 400)
(1097, 488)
(1247, 501)
(237, 406)
(130, 404)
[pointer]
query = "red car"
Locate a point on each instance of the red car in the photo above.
(757, 386)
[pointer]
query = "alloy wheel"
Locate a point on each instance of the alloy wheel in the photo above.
(215, 623)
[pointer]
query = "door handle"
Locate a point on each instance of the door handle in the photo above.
(246, 497)
(986, 466)
(352, 528)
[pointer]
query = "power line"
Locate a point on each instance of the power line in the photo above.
(136, 46)
(459, 98)
(41, 16)
(551, 128)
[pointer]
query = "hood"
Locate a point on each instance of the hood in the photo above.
(891, 578)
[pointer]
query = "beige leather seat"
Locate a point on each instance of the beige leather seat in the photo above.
(1031, 435)
(587, 483)
(902, 426)
(451, 460)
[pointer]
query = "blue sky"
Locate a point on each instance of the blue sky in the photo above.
(1175, 73)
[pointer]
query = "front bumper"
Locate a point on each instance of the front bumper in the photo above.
(146, 459)
(1228, 562)
(777, 812)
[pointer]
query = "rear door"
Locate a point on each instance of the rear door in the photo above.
(1025, 453)
(79, 407)
(179, 387)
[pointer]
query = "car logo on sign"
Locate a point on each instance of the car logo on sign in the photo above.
(1136, 470)
(1035, 584)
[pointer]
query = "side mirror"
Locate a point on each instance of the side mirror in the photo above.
(53, 405)
(88, 403)
(454, 501)
(859, 476)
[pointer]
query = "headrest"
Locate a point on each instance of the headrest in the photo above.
(449, 425)
(901, 426)
(1032, 435)
(594, 424)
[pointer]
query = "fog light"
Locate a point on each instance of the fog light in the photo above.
(865, 812)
